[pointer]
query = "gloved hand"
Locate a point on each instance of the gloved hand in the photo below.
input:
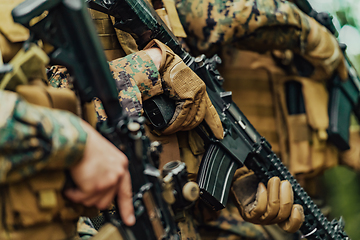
(323, 52)
(180, 83)
(158, 70)
(267, 205)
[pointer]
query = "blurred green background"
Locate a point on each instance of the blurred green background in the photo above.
(341, 184)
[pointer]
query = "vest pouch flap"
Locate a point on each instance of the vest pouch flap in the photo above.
(316, 102)
(37, 199)
(63, 99)
(14, 32)
(34, 94)
(298, 128)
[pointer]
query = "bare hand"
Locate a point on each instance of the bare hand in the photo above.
(101, 175)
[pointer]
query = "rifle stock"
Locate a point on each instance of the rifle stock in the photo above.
(68, 27)
(242, 144)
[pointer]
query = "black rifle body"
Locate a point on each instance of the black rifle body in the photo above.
(242, 144)
(68, 27)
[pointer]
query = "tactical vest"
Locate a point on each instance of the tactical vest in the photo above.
(173, 146)
(116, 43)
(258, 87)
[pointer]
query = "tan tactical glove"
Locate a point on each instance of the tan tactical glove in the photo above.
(323, 51)
(180, 83)
(272, 205)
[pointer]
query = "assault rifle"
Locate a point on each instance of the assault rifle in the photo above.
(242, 144)
(67, 26)
(343, 95)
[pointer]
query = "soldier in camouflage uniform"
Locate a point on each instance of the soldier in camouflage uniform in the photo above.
(152, 88)
(229, 28)
(301, 140)
(194, 106)
(37, 146)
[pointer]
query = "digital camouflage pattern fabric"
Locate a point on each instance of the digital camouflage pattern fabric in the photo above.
(35, 138)
(137, 79)
(59, 77)
(228, 224)
(136, 76)
(85, 229)
(257, 25)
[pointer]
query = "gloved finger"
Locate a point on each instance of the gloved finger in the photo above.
(286, 201)
(294, 222)
(179, 117)
(273, 205)
(212, 119)
(253, 212)
(196, 115)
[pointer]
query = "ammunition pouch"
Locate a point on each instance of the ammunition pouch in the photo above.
(301, 137)
(12, 35)
(116, 43)
(310, 152)
(38, 201)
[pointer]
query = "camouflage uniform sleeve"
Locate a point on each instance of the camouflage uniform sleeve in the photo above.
(257, 25)
(137, 79)
(33, 138)
(60, 77)
(136, 76)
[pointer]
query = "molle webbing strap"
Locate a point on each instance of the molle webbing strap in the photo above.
(164, 16)
(175, 23)
(27, 64)
(126, 41)
(107, 35)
